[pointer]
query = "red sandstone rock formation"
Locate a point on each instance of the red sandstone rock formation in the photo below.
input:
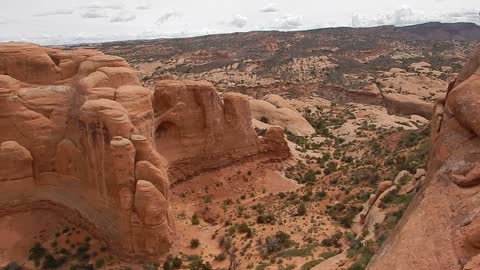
(197, 131)
(441, 228)
(407, 105)
(80, 136)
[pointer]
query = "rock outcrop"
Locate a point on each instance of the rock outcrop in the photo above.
(441, 228)
(407, 105)
(82, 137)
(279, 114)
(197, 131)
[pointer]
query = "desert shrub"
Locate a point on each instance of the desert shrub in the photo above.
(150, 266)
(266, 219)
(309, 265)
(12, 266)
(194, 243)
(276, 243)
(309, 177)
(301, 210)
(364, 253)
(320, 195)
(82, 252)
(51, 262)
(220, 257)
(367, 175)
(260, 131)
(413, 137)
(264, 119)
(243, 228)
(347, 220)
(172, 263)
(298, 140)
(328, 254)
(199, 265)
(331, 167)
(99, 263)
(395, 198)
(307, 196)
(333, 240)
(225, 243)
(36, 253)
(287, 267)
(343, 213)
(296, 252)
(262, 266)
(85, 266)
(176, 262)
(195, 219)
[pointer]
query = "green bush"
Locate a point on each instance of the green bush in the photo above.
(199, 265)
(301, 210)
(176, 263)
(311, 264)
(51, 262)
(83, 266)
(194, 243)
(12, 266)
(332, 240)
(309, 177)
(195, 219)
(36, 253)
(320, 195)
(278, 242)
(172, 263)
(150, 266)
(220, 257)
(266, 219)
(243, 228)
(328, 254)
(99, 263)
(264, 119)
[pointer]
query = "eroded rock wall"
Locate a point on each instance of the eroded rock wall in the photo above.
(82, 137)
(440, 229)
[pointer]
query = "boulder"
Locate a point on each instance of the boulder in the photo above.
(287, 118)
(278, 101)
(16, 161)
(407, 105)
(473, 263)
(401, 175)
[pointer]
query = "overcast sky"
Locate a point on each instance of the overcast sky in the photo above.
(75, 21)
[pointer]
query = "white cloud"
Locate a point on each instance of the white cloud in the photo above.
(408, 16)
(94, 14)
(287, 23)
(104, 6)
(55, 12)
(463, 16)
(144, 5)
(402, 16)
(238, 21)
(272, 7)
(167, 16)
(123, 16)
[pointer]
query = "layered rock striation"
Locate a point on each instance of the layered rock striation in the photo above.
(441, 228)
(82, 137)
